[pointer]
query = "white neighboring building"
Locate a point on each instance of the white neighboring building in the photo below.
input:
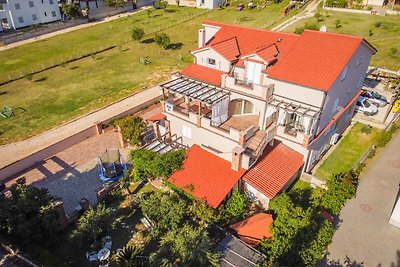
(16, 14)
(208, 4)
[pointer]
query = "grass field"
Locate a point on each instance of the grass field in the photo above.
(347, 152)
(385, 33)
(63, 93)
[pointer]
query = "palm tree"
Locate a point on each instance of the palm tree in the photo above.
(127, 256)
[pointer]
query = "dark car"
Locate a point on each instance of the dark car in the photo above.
(375, 98)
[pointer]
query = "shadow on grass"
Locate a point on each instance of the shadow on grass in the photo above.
(175, 46)
(148, 41)
(40, 80)
(3, 92)
(74, 68)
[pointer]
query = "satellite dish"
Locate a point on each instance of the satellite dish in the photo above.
(323, 28)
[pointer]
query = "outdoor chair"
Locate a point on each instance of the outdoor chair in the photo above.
(107, 242)
(92, 256)
(111, 166)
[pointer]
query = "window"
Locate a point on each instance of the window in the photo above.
(31, 4)
(45, 14)
(20, 19)
(42, 2)
(253, 72)
(1, 7)
(53, 13)
(241, 106)
(34, 17)
(51, 2)
(335, 106)
(186, 132)
(211, 61)
(361, 81)
(17, 6)
(344, 73)
(359, 61)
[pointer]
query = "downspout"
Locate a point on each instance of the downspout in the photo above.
(10, 14)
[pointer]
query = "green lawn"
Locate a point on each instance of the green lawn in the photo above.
(385, 37)
(63, 93)
(347, 152)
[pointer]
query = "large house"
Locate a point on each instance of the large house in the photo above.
(16, 14)
(257, 107)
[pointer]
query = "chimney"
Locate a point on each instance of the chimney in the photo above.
(202, 37)
(236, 163)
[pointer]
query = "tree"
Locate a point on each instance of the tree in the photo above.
(318, 16)
(93, 223)
(162, 40)
(202, 212)
(338, 24)
(132, 128)
(71, 10)
(341, 187)
(147, 164)
(160, 4)
(186, 246)
(114, 3)
(167, 210)
(137, 33)
(127, 256)
(237, 204)
(29, 216)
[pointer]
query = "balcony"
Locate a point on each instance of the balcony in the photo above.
(245, 86)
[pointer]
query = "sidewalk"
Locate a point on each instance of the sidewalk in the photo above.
(19, 150)
(365, 234)
(81, 26)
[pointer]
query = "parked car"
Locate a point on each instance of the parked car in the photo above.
(365, 107)
(240, 7)
(375, 98)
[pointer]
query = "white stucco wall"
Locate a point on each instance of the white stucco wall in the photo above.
(342, 92)
(42, 11)
(208, 4)
(201, 136)
(221, 63)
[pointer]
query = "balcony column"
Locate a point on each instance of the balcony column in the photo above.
(167, 131)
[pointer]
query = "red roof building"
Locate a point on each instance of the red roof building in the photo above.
(253, 229)
(203, 74)
(206, 176)
(274, 170)
(298, 57)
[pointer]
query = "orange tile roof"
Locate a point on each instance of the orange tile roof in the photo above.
(268, 53)
(313, 59)
(206, 176)
(254, 228)
(316, 60)
(203, 74)
(156, 117)
(228, 49)
(274, 169)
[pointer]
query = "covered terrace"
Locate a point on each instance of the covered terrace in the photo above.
(185, 95)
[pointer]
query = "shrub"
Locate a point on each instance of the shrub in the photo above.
(318, 16)
(338, 24)
(393, 52)
(308, 26)
(131, 129)
(162, 40)
(114, 3)
(341, 187)
(370, 32)
(366, 129)
(160, 4)
(237, 204)
(137, 34)
(71, 10)
(385, 136)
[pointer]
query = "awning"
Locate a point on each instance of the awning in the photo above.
(196, 90)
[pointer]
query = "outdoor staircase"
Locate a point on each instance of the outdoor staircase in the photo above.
(256, 144)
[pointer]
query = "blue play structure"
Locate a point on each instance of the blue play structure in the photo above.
(111, 166)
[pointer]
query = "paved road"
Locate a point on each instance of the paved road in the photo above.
(365, 234)
(22, 149)
(308, 12)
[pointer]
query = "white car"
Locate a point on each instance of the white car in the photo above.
(365, 107)
(375, 98)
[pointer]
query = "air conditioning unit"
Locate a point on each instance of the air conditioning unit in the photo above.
(334, 139)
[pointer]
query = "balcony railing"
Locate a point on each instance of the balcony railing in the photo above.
(244, 82)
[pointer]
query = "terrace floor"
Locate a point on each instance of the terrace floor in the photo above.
(241, 122)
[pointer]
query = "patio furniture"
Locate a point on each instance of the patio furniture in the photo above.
(111, 166)
(107, 242)
(103, 254)
(6, 112)
(240, 7)
(92, 256)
